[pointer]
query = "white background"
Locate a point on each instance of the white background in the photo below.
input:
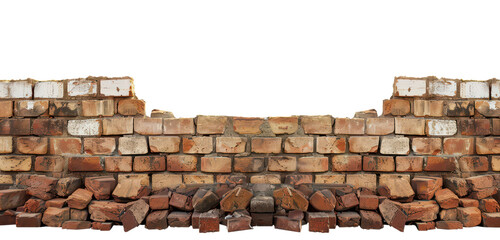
(252, 58)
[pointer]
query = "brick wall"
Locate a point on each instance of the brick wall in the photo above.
(97, 126)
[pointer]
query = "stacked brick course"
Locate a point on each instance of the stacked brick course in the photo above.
(68, 146)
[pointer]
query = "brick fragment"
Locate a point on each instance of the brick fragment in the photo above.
(12, 198)
(236, 199)
(211, 124)
(48, 127)
(458, 186)
(393, 215)
(247, 125)
(448, 214)
(424, 211)
(101, 211)
(76, 225)
(63, 108)
(469, 216)
(449, 225)
(286, 223)
(368, 202)
(318, 222)
(179, 219)
(489, 205)
(345, 200)
(130, 188)
(425, 187)
(425, 226)
(410, 126)
(317, 124)
(79, 199)
(34, 205)
(66, 186)
(290, 199)
(370, 220)
(31, 108)
(399, 189)
(239, 223)
(29, 220)
(101, 187)
(134, 214)
(468, 202)
(491, 219)
(205, 200)
(396, 107)
(6, 109)
(157, 220)
(209, 222)
(181, 201)
(55, 217)
(117, 126)
(323, 200)
(348, 219)
(262, 204)
(446, 198)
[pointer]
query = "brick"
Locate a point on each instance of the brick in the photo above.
(495, 163)
(299, 145)
(262, 204)
(346, 163)
(410, 87)
(488, 145)
(211, 124)
(134, 214)
(157, 220)
(236, 199)
(132, 107)
(488, 108)
(262, 219)
(471, 127)
(443, 88)
(440, 164)
(474, 89)
(55, 217)
(368, 202)
(78, 215)
(460, 108)
(98, 108)
(41, 186)
(489, 205)
(87, 127)
(458, 186)
(230, 144)
(49, 89)
(266, 145)
(116, 87)
(323, 200)
(348, 219)
(449, 225)
(148, 126)
(347, 126)
(399, 188)
(63, 108)
(426, 146)
(282, 164)
(428, 108)
(458, 146)
(379, 126)
(409, 164)
(31, 108)
(448, 214)
(164, 180)
(178, 126)
(5, 144)
(130, 189)
(410, 126)
(285, 223)
(85, 164)
(330, 178)
(197, 145)
(179, 219)
(478, 183)
(82, 88)
(166, 144)
(16, 89)
(317, 124)
(467, 202)
(424, 211)
(198, 179)
(181, 201)
(247, 125)
(370, 220)
(312, 164)
(56, 202)
(16, 127)
(204, 200)
(149, 164)
(118, 164)
(216, 164)
(102, 211)
(491, 219)
(378, 163)
(469, 216)
(117, 126)
(12, 198)
(327, 145)
(446, 198)
(441, 127)
(76, 225)
(48, 127)
(425, 187)
(396, 107)
(209, 222)
(15, 163)
(159, 202)
(290, 199)
(266, 178)
(66, 186)
(182, 163)
(298, 179)
(363, 144)
(101, 187)
(49, 164)
(284, 125)
(425, 226)
(6, 108)
(132, 145)
(29, 220)
(249, 164)
(393, 215)
(362, 180)
(99, 146)
(239, 223)
(495, 89)
(318, 222)
(6, 179)
(473, 164)
(395, 145)
(79, 199)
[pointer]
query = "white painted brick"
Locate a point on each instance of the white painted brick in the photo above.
(16, 89)
(441, 127)
(87, 127)
(474, 90)
(395, 145)
(410, 88)
(447, 88)
(82, 88)
(116, 87)
(495, 89)
(49, 89)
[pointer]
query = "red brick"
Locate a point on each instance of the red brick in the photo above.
(282, 164)
(101, 187)
(440, 164)
(489, 205)
(178, 126)
(449, 225)
(98, 108)
(32, 145)
(317, 124)
(249, 164)
(348, 219)
(467, 202)
(425, 187)
(29, 220)
(368, 202)
(131, 107)
(6, 109)
(34, 205)
(149, 164)
(239, 223)
(396, 107)
(347, 126)
(488, 145)
(230, 144)
(79, 199)
(290, 199)
(49, 164)
(211, 124)
(330, 145)
(118, 164)
(313, 164)
(446, 198)
(247, 125)
(148, 126)
(473, 164)
(299, 145)
(182, 163)
(323, 200)
(425, 226)
(117, 126)
(197, 145)
(363, 144)
(378, 163)
(379, 126)
(426, 108)
(495, 126)
(458, 146)
(475, 127)
(48, 127)
(159, 202)
(209, 222)
(284, 125)
(409, 164)
(60, 146)
(370, 220)
(346, 163)
(491, 219)
(55, 217)
(297, 179)
(167, 144)
(410, 126)
(266, 145)
(99, 146)
(318, 222)
(426, 146)
(31, 108)
(157, 220)
(76, 225)
(469, 216)
(85, 164)
(216, 164)
(16, 127)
